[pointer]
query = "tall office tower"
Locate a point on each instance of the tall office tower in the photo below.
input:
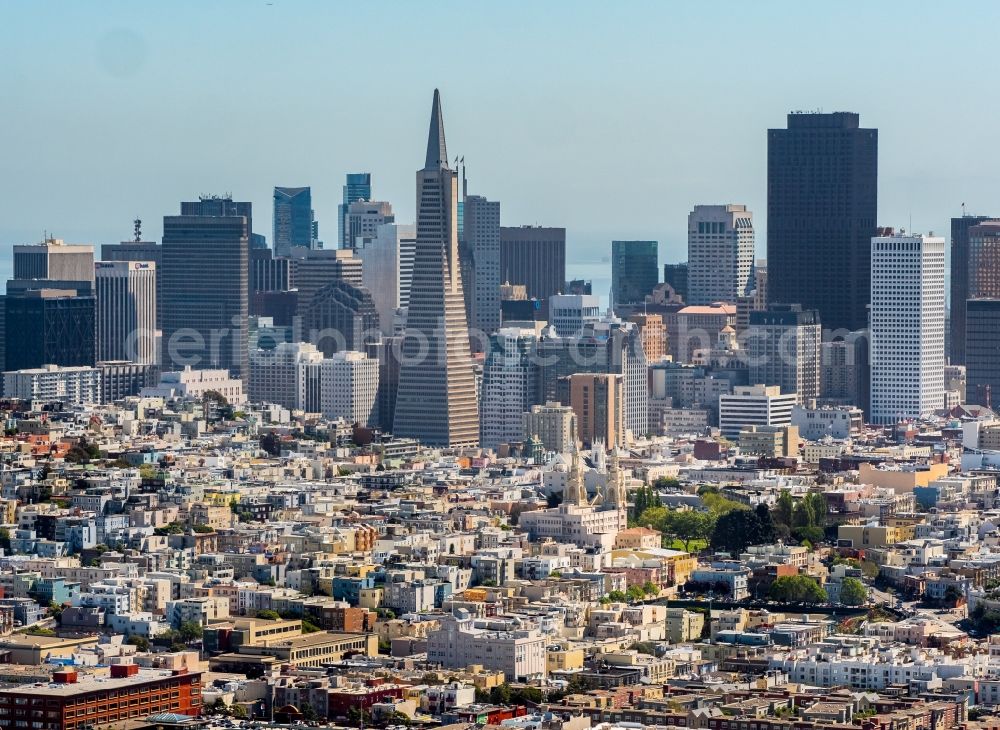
(205, 300)
(482, 238)
(387, 270)
(960, 282)
(982, 352)
(49, 323)
(720, 253)
(340, 316)
(845, 371)
(822, 192)
(598, 400)
(349, 387)
(652, 333)
(783, 348)
(635, 270)
(138, 250)
(608, 346)
(535, 257)
(294, 220)
(553, 424)
(436, 401)
(509, 384)
(269, 272)
(983, 272)
(126, 311)
(907, 327)
(569, 313)
(362, 221)
(54, 260)
(314, 270)
(286, 376)
(358, 186)
(387, 351)
(677, 276)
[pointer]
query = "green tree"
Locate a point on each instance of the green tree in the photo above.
(238, 711)
(501, 694)
(139, 642)
(269, 614)
(852, 592)
(797, 589)
(635, 593)
(190, 631)
(617, 597)
(689, 525)
(650, 588)
(783, 508)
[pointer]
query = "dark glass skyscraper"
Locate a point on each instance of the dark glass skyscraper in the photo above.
(982, 352)
(960, 282)
(635, 270)
(204, 285)
(50, 327)
(822, 193)
(294, 223)
(534, 256)
(677, 276)
(358, 186)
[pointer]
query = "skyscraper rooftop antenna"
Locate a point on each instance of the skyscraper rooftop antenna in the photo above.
(137, 229)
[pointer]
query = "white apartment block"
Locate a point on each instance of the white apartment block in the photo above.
(348, 387)
(754, 405)
(907, 327)
(502, 646)
(126, 311)
(194, 384)
(838, 422)
(77, 385)
(720, 253)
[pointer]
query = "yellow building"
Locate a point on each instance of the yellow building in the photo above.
(317, 649)
(684, 625)
(879, 536)
(562, 659)
(638, 538)
(370, 598)
(901, 480)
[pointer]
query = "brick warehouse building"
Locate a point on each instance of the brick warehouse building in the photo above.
(72, 702)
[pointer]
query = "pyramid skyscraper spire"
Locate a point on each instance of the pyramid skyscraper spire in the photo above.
(436, 401)
(437, 150)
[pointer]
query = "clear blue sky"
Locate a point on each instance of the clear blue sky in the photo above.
(610, 118)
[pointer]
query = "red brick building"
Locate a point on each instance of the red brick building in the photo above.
(73, 702)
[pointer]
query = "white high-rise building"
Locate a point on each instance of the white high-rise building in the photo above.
(509, 379)
(907, 327)
(754, 405)
(569, 313)
(348, 387)
(286, 376)
(482, 236)
(126, 311)
(387, 270)
(363, 219)
(720, 253)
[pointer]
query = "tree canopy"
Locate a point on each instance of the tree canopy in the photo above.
(797, 589)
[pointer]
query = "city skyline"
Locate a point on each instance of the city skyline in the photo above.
(174, 154)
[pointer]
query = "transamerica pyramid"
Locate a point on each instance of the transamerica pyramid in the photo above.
(436, 401)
